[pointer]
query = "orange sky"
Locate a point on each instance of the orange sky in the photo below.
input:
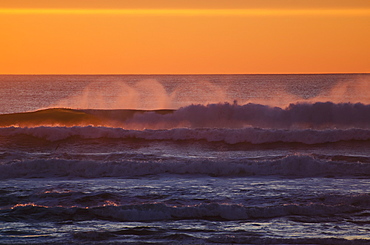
(184, 36)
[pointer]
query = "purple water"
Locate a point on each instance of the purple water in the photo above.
(234, 159)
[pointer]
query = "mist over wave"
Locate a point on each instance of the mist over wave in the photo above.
(175, 92)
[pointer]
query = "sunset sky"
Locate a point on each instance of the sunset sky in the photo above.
(184, 36)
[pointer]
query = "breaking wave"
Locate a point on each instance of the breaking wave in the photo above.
(318, 115)
(230, 124)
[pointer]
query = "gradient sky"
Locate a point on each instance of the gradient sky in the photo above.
(184, 36)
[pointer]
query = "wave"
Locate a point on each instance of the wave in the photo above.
(319, 115)
(311, 211)
(302, 115)
(290, 166)
(70, 117)
(225, 135)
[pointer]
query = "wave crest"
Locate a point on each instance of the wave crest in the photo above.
(320, 115)
(302, 115)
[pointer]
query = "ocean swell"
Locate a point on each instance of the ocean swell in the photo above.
(226, 135)
(315, 210)
(319, 115)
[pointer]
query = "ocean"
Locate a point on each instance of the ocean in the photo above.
(185, 159)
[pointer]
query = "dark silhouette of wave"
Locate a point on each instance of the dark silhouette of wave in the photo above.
(319, 115)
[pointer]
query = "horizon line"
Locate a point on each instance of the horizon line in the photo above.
(180, 74)
(189, 12)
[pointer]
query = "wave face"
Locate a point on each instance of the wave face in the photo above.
(226, 135)
(318, 115)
